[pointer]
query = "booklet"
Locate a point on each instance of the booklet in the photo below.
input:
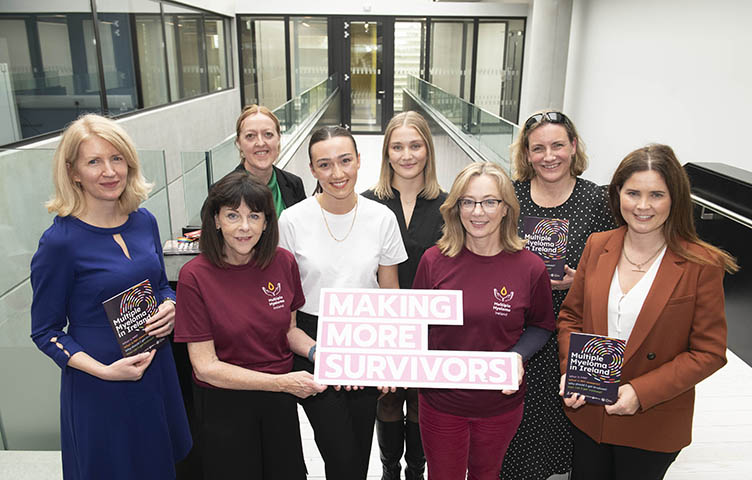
(128, 312)
(594, 367)
(548, 237)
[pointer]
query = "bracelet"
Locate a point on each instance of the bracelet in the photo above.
(311, 352)
(171, 300)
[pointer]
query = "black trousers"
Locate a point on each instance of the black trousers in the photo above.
(342, 421)
(248, 434)
(603, 461)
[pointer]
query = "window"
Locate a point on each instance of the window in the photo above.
(309, 52)
(409, 45)
(50, 62)
(264, 74)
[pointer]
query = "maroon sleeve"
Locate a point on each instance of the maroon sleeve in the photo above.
(298, 298)
(192, 323)
(541, 312)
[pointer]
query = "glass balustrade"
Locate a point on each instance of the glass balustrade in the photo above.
(29, 412)
(489, 134)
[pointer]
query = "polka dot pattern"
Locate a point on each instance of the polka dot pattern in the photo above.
(543, 443)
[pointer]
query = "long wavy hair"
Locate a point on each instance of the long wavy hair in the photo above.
(680, 224)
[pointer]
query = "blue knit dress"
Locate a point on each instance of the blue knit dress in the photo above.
(108, 429)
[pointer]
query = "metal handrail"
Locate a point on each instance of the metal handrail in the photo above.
(731, 215)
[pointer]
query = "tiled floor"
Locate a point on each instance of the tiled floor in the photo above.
(721, 448)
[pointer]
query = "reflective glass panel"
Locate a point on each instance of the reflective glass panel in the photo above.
(489, 71)
(262, 48)
(183, 29)
(366, 52)
(214, 31)
(309, 52)
(409, 44)
(48, 70)
(510, 102)
(451, 56)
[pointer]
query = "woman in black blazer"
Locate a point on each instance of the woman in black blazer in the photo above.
(258, 139)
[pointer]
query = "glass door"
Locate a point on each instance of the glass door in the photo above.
(366, 76)
(367, 92)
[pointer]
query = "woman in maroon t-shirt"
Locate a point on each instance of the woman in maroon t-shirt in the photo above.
(236, 310)
(506, 307)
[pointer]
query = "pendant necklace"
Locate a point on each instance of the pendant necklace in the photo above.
(639, 265)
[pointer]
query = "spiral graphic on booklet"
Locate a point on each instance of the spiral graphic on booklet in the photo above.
(138, 296)
(612, 354)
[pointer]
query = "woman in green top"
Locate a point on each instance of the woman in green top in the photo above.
(258, 139)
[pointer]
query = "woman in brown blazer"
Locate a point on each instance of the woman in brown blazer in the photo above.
(655, 284)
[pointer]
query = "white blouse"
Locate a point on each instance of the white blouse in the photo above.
(623, 309)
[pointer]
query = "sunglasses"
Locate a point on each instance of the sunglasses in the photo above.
(551, 117)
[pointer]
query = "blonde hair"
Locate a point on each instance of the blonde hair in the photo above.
(453, 233)
(522, 169)
(431, 189)
(68, 198)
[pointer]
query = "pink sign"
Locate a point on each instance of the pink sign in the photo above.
(379, 337)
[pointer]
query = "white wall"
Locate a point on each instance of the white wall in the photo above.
(674, 71)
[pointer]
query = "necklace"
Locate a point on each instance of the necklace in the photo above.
(355, 215)
(639, 265)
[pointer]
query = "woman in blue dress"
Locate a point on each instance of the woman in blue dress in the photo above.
(120, 418)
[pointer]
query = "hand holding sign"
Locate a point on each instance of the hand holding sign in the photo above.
(377, 337)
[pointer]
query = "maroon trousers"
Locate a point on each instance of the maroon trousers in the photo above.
(456, 445)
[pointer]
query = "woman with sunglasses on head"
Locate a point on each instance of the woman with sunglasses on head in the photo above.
(653, 283)
(547, 158)
(237, 303)
(408, 186)
(506, 308)
(257, 136)
(340, 239)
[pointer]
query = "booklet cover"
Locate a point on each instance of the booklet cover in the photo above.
(547, 237)
(128, 312)
(594, 367)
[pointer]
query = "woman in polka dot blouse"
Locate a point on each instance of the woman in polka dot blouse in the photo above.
(547, 159)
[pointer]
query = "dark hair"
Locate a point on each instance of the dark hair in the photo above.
(325, 133)
(680, 224)
(230, 191)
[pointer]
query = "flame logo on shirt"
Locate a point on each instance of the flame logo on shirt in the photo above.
(272, 291)
(502, 295)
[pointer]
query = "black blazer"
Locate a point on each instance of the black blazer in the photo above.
(290, 185)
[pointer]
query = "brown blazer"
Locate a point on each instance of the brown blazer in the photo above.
(679, 338)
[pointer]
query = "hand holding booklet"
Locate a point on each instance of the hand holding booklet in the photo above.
(128, 312)
(594, 367)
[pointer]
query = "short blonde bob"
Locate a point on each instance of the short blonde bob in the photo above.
(68, 198)
(522, 169)
(431, 189)
(453, 234)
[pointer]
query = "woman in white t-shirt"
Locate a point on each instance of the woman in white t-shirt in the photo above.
(340, 239)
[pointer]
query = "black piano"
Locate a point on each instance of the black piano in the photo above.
(722, 197)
